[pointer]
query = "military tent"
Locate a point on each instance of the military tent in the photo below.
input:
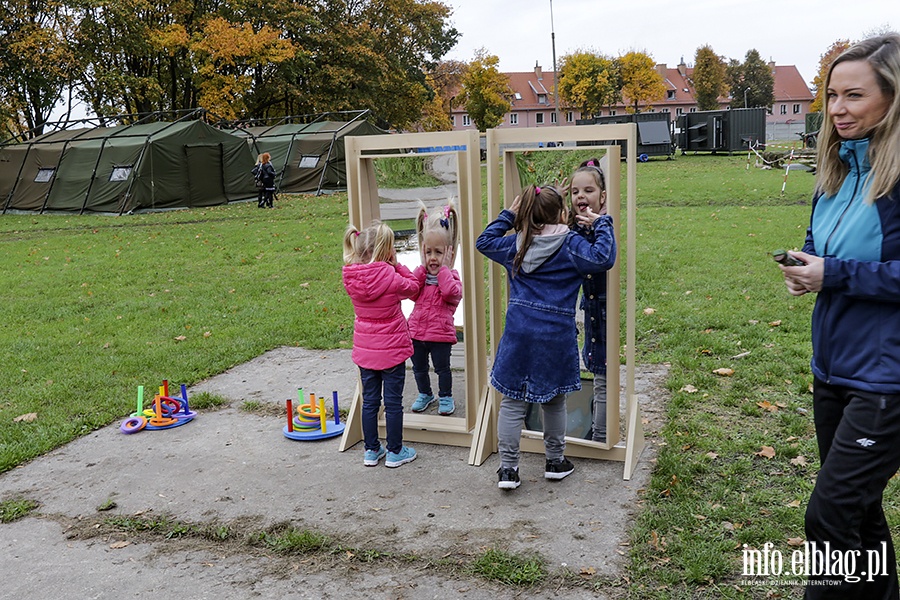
(308, 157)
(126, 168)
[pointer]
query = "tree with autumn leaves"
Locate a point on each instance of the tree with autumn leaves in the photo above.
(825, 60)
(708, 78)
(590, 81)
(485, 91)
(238, 59)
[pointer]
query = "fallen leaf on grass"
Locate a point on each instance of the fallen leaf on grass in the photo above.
(766, 405)
(799, 461)
(742, 354)
(180, 338)
(795, 541)
(793, 504)
(26, 418)
(587, 572)
(724, 372)
(649, 311)
(117, 545)
(689, 389)
(657, 542)
(775, 323)
(712, 455)
(766, 452)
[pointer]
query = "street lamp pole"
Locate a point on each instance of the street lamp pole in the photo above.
(745, 96)
(555, 74)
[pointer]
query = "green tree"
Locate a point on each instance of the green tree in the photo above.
(834, 50)
(641, 83)
(708, 78)
(588, 81)
(249, 60)
(371, 55)
(37, 62)
(754, 76)
(485, 91)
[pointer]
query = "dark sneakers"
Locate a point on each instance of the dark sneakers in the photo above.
(509, 478)
(558, 469)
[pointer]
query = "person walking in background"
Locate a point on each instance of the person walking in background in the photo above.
(377, 283)
(431, 321)
(264, 174)
(852, 262)
(537, 356)
(588, 194)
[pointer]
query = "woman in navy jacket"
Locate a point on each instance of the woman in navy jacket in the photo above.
(852, 261)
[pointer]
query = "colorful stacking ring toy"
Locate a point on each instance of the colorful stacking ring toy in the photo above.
(133, 424)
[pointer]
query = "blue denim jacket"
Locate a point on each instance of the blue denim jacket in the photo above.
(537, 358)
(593, 303)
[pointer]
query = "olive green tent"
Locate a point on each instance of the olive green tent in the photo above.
(126, 168)
(307, 157)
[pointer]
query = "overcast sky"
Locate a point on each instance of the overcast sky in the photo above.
(519, 31)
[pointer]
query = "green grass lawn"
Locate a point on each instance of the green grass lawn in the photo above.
(95, 306)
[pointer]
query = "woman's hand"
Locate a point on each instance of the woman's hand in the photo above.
(805, 278)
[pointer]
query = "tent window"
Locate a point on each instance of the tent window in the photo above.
(120, 173)
(44, 175)
(309, 162)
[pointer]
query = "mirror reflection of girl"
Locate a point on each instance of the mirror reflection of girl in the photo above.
(376, 283)
(431, 321)
(537, 357)
(588, 194)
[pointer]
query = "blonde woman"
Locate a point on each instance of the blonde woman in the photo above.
(851, 260)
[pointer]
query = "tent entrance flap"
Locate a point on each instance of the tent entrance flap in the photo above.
(205, 174)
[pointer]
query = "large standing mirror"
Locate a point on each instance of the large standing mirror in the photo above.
(388, 177)
(508, 172)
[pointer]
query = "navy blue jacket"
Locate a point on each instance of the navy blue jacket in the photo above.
(593, 303)
(537, 357)
(856, 319)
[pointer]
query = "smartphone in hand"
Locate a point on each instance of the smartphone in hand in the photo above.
(782, 257)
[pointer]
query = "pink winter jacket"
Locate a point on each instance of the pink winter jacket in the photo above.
(432, 317)
(380, 334)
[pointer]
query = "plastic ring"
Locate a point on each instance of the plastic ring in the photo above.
(169, 406)
(133, 425)
(306, 412)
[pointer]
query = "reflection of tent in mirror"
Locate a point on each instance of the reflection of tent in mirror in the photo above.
(410, 259)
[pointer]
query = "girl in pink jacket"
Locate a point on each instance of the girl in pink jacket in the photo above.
(438, 295)
(377, 283)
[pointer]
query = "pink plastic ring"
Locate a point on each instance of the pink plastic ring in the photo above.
(133, 425)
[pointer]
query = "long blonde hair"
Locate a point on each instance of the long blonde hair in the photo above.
(372, 244)
(443, 220)
(882, 53)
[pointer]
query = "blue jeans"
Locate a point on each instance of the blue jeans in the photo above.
(440, 357)
(390, 381)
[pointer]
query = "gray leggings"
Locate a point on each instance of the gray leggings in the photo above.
(511, 420)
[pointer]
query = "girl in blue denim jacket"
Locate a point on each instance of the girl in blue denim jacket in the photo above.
(537, 357)
(588, 193)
